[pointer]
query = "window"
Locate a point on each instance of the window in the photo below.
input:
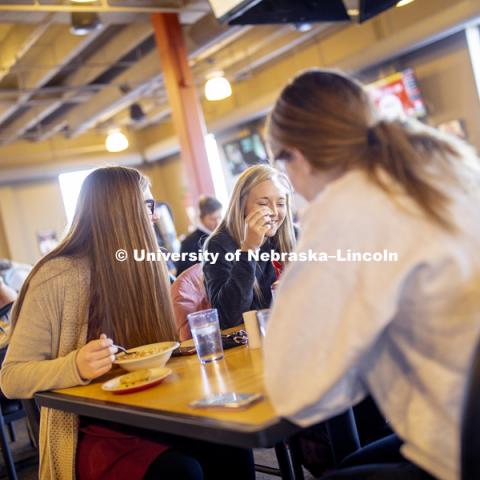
(70, 185)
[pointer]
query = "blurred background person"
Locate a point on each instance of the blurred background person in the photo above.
(210, 216)
(14, 273)
(7, 294)
(166, 233)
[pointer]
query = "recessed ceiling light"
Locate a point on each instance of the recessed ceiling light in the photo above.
(303, 27)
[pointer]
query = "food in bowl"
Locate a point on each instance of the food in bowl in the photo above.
(147, 356)
(136, 355)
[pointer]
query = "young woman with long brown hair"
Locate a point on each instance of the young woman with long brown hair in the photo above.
(401, 327)
(258, 218)
(74, 302)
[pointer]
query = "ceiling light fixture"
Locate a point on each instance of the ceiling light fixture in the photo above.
(303, 27)
(136, 112)
(84, 23)
(217, 87)
(402, 3)
(116, 141)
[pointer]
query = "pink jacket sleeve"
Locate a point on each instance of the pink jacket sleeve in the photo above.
(188, 295)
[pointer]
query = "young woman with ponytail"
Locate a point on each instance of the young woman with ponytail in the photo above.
(402, 330)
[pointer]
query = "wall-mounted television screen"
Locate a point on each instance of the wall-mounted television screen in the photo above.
(226, 8)
(398, 96)
(257, 12)
(243, 152)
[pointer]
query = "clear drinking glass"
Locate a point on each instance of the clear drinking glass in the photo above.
(262, 319)
(273, 289)
(206, 335)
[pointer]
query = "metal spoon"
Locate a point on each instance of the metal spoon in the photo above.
(122, 349)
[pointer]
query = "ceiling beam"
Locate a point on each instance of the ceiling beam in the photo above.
(111, 100)
(278, 42)
(102, 6)
(106, 56)
(65, 48)
(17, 42)
(96, 110)
(29, 119)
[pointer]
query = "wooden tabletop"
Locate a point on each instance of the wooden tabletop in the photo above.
(165, 407)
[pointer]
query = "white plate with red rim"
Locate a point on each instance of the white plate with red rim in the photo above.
(136, 381)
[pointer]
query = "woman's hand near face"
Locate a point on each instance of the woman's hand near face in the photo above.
(96, 358)
(258, 223)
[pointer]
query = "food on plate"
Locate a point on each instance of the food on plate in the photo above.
(134, 378)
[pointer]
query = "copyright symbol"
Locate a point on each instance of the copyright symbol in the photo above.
(121, 255)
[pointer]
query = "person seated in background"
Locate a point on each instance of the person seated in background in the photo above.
(75, 301)
(7, 294)
(258, 219)
(164, 232)
(188, 296)
(210, 215)
(14, 273)
(402, 329)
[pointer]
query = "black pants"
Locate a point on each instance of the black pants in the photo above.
(386, 471)
(195, 460)
(379, 460)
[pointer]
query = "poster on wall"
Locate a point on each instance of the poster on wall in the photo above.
(47, 240)
(243, 152)
(398, 96)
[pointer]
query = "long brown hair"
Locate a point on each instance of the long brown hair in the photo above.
(329, 118)
(129, 300)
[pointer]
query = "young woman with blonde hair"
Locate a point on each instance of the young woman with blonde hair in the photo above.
(74, 302)
(258, 219)
(402, 329)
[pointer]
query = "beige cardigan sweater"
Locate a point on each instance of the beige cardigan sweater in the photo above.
(41, 356)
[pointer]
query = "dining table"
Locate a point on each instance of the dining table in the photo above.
(166, 407)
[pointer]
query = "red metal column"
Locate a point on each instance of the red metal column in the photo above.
(186, 111)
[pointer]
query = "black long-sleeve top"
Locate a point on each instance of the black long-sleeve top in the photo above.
(192, 244)
(230, 284)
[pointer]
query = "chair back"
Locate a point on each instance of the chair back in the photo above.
(189, 295)
(343, 435)
(32, 411)
(470, 436)
(5, 310)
